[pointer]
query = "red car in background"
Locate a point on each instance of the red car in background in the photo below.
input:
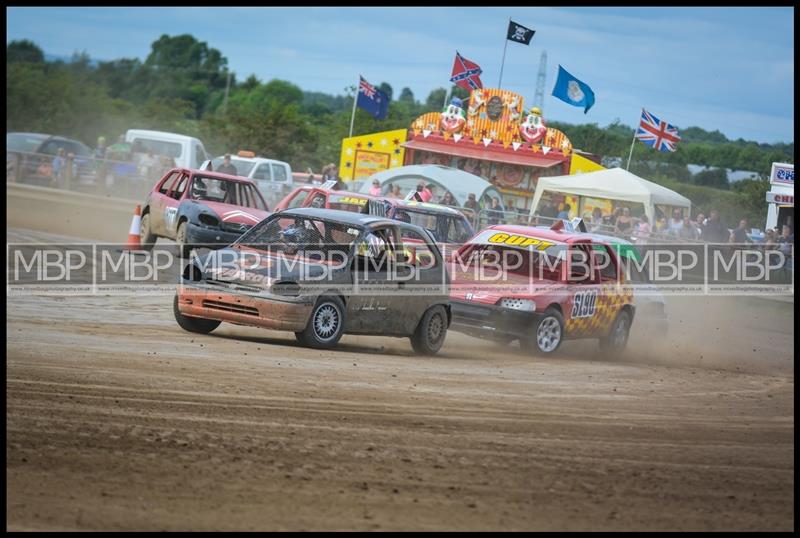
(540, 286)
(323, 197)
(200, 208)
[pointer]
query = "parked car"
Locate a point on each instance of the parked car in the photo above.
(270, 175)
(29, 157)
(540, 287)
(184, 151)
(198, 208)
(321, 273)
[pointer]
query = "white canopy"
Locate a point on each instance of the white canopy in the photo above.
(612, 184)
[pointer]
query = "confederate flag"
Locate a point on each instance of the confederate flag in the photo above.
(466, 74)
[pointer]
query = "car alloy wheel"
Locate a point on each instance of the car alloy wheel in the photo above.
(548, 335)
(326, 322)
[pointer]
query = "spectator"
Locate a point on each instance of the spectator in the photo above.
(448, 199)
(596, 221)
(612, 219)
(431, 188)
(642, 230)
(59, 163)
(564, 213)
(786, 240)
(396, 192)
(770, 239)
(699, 223)
(661, 226)
(227, 167)
(688, 230)
(549, 210)
(714, 231)
(739, 234)
(99, 157)
(148, 164)
(624, 224)
(675, 223)
(422, 194)
(330, 173)
(471, 202)
(375, 190)
(495, 212)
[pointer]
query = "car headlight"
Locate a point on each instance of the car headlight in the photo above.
(208, 220)
(524, 305)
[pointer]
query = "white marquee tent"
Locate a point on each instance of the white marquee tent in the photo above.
(612, 184)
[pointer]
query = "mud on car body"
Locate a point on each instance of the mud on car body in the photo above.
(199, 208)
(540, 287)
(322, 273)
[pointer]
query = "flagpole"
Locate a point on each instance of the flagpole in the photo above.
(505, 46)
(355, 100)
(447, 96)
(631, 152)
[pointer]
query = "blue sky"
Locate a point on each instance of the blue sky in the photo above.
(730, 69)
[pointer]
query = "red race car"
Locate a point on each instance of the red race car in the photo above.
(323, 197)
(200, 208)
(540, 286)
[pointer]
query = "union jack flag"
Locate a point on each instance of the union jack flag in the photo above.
(466, 74)
(367, 89)
(656, 133)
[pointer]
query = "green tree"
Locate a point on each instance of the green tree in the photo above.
(406, 96)
(386, 88)
(24, 51)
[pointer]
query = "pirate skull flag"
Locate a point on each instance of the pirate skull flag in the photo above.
(518, 33)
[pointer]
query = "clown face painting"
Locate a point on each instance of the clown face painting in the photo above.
(533, 128)
(453, 118)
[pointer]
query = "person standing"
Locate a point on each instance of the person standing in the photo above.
(59, 163)
(495, 212)
(375, 190)
(624, 224)
(739, 234)
(564, 213)
(714, 230)
(448, 199)
(227, 167)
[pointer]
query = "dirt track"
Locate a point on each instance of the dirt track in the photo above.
(117, 419)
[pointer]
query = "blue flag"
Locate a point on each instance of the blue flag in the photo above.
(372, 100)
(572, 91)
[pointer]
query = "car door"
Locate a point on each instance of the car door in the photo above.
(160, 203)
(425, 283)
(584, 291)
(376, 305)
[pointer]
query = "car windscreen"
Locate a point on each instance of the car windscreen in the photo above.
(227, 192)
(157, 147)
(294, 235)
(243, 168)
(23, 142)
(444, 228)
(540, 264)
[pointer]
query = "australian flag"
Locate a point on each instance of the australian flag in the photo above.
(372, 100)
(466, 74)
(657, 134)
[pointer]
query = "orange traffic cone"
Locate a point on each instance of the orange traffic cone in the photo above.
(134, 235)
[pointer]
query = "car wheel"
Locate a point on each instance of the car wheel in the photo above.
(431, 331)
(547, 335)
(147, 239)
(180, 240)
(193, 325)
(617, 338)
(326, 324)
